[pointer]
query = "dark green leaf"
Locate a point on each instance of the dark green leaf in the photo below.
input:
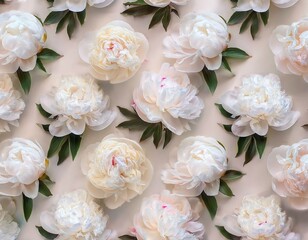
(27, 206)
(46, 234)
(254, 26)
(168, 137)
(167, 18)
(64, 152)
(46, 178)
(235, 53)
(210, 203)
(226, 234)
(226, 127)
(42, 111)
(210, 79)
(158, 132)
(264, 17)
(225, 189)
(251, 151)
(43, 189)
(223, 111)
(2, 1)
(232, 175)
(25, 80)
(238, 17)
(245, 24)
(55, 145)
(54, 17)
(225, 64)
(260, 143)
(140, 10)
(75, 141)
(136, 3)
(148, 132)
(157, 17)
(62, 22)
(40, 65)
(128, 113)
(48, 54)
(127, 237)
(242, 144)
(40, 20)
(135, 124)
(173, 10)
(82, 16)
(45, 127)
(305, 125)
(71, 25)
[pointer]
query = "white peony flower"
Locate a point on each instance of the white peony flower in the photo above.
(9, 229)
(78, 5)
(115, 53)
(167, 216)
(76, 216)
(288, 166)
(22, 163)
(200, 41)
(290, 47)
(199, 164)
(117, 170)
(284, 3)
(164, 3)
(11, 104)
(259, 103)
(22, 36)
(77, 102)
(168, 97)
(260, 218)
(262, 5)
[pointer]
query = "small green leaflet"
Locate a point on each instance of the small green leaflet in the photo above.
(46, 234)
(225, 189)
(25, 80)
(232, 175)
(210, 203)
(210, 78)
(43, 189)
(27, 206)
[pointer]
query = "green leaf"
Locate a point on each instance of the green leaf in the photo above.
(42, 111)
(173, 10)
(235, 53)
(46, 178)
(245, 24)
(71, 25)
(46, 234)
(55, 145)
(223, 111)
(167, 18)
(168, 137)
(82, 16)
(225, 189)
(232, 175)
(254, 26)
(136, 3)
(210, 203)
(25, 80)
(238, 17)
(148, 132)
(45, 127)
(226, 234)
(127, 237)
(43, 189)
(48, 54)
(260, 143)
(40, 20)
(157, 17)
(134, 124)
(27, 206)
(251, 151)
(210, 79)
(305, 125)
(158, 132)
(226, 127)
(64, 152)
(242, 144)
(60, 25)
(264, 17)
(54, 17)
(225, 64)
(127, 113)
(140, 10)
(40, 65)
(75, 141)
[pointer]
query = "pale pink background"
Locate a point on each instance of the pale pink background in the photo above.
(68, 176)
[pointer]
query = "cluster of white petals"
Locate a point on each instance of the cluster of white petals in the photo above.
(9, 229)
(259, 103)
(167, 216)
(77, 102)
(198, 166)
(200, 41)
(290, 48)
(262, 5)
(22, 163)
(78, 5)
(168, 97)
(288, 166)
(115, 53)
(76, 216)
(11, 104)
(117, 170)
(22, 36)
(164, 3)
(260, 218)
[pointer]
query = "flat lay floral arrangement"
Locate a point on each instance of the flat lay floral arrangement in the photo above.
(153, 119)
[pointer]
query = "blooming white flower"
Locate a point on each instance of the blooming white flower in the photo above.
(115, 53)
(198, 165)
(78, 5)
(22, 36)
(260, 218)
(9, 229)
(77, 102)
(168, 97)
(11, 104)
(167, 216)
(288, 166)
(259, 103)
(76, 216)
(290, 47)
(164, 3)
(200, 41)
(22, 163)
(262, 5)
(117, 170)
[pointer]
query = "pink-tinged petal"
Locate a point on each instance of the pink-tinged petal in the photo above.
(273, 166)
(48, 222)
(31, 190)
(49, 105)
(58, 128)
(289, 120)
(213, 63)
(10, 189)
(189, 64)
(27, 64)
(230, 102)
(212, 189)
(241, 128)
(76, 126)
(259, 127)
(173, 124)
(11, 67)
(275, 45)
(184, 190)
